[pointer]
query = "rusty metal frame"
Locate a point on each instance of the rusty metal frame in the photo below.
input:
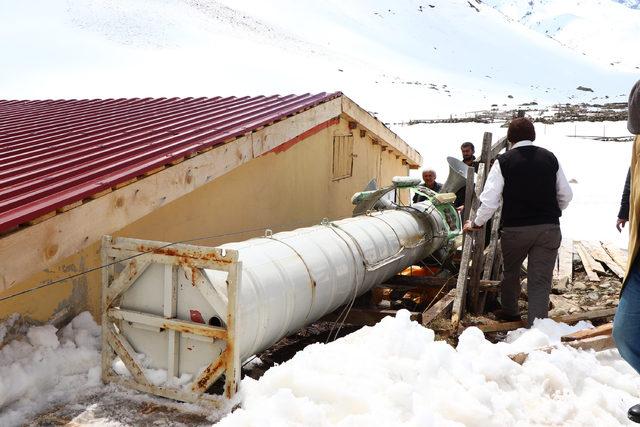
(137, 256)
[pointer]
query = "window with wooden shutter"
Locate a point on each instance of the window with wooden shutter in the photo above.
(342, 156)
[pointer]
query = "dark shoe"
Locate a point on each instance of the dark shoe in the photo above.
(500, 314)
(634, 413)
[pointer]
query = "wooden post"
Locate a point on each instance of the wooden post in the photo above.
(468, 195)
(461, 286)
(479, 236)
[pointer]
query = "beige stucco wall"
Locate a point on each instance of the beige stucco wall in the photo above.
(280, 191)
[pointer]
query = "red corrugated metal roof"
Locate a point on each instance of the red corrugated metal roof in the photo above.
(57, 152)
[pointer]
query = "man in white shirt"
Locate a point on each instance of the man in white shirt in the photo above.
(534, 190)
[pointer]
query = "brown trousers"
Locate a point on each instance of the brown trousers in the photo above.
(540, 244)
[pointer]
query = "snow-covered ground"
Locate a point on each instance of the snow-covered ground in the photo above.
(392, 374)
(599, 168)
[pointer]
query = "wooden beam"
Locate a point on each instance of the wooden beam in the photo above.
(588, 262)
(444, 303)
(599, 254)
(563, 274)
(479, 238)
(375, 127)
(606, 329)
(461, 286)
(497, 147)
(493, 244)
(29, 251)
(468, 195)
(568, 319)
(597, 343)
(619, 256)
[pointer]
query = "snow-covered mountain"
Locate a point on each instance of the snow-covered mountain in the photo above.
(604, 30)
(633, 4)
(404, 58)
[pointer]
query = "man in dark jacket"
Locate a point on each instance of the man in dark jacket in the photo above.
(534, 191)
(467, 150)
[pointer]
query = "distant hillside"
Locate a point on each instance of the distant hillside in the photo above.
(402, 59)
(604, 30)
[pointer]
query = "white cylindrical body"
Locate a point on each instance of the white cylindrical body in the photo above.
(293, 278)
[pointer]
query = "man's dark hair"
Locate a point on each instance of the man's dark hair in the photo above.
(521, 129)
(468, 145)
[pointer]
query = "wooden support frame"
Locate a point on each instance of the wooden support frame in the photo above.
(461, 285)
(139, 255)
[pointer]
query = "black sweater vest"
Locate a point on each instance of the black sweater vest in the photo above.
(529, 195)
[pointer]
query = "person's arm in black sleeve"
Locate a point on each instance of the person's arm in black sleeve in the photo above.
(623, 214)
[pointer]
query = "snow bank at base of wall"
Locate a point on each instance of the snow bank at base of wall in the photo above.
(48, 367)
(396, 374)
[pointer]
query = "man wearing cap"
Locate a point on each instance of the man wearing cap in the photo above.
(626, 324)
(534, 191)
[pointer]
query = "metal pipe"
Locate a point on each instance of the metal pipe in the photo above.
(293, 278)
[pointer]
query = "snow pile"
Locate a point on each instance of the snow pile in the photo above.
(7, 325)
(396, 374)
(157, 377)
(49, 367)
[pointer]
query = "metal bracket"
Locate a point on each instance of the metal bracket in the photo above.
(162, 322)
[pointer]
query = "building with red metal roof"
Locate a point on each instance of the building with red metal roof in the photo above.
(171, 169)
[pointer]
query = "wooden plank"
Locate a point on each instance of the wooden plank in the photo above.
(606, 329)
(620, 256)
(493, 243)
(432, 312)
(496, 148)
(25, 253)
(479, 238)
(461, 286)
(468, 195)
(568, 319)
(588, 262)
(563, 274)
(597, 343)
(600, 254)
